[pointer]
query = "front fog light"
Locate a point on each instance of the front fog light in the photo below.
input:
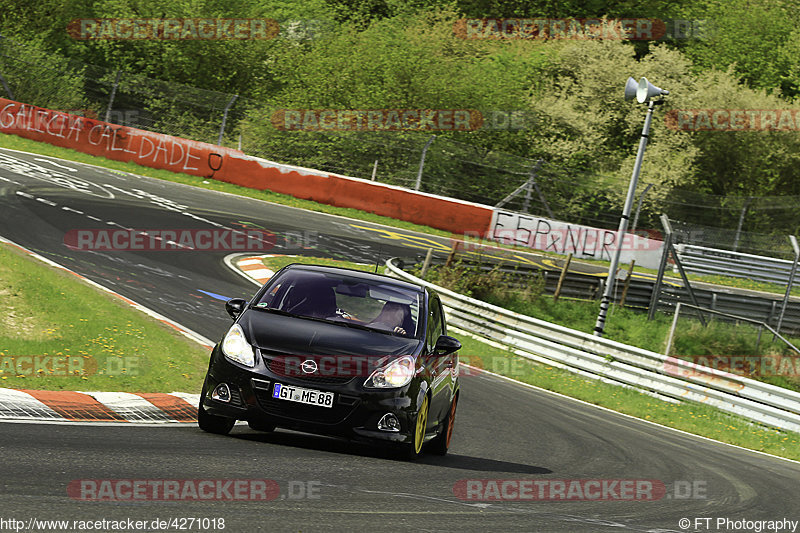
(389, 422)
(222, 393)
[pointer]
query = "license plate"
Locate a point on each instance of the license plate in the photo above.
(301, 395)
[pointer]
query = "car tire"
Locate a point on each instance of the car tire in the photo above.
(441, 443)
(257, 425)
(221, 425)
(414, 449)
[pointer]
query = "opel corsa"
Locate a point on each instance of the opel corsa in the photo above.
(338, 352)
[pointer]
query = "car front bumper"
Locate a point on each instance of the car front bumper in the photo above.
(354, 414)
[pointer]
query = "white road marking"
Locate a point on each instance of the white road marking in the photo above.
(65, 208)
(44, 201)
(55, 164)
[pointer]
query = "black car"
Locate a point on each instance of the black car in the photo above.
(339, 352)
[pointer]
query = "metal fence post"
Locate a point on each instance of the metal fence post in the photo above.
(6, 87)
(741, 221)
(686, 284)
(661, 267)
(113, 94)
(422, 162)
(796, 248)
(672, 329)
(225, 118)
(3, 80)
(533, 185)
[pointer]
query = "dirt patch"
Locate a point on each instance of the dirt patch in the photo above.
(17, 317)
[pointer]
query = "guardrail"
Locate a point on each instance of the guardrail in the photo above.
(703, 260)
(759, 306)
(610, 360)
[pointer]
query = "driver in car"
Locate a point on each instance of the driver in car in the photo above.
(392, 317)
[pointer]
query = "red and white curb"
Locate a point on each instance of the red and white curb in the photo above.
(70, 406)
(255, 269)
(252, 267)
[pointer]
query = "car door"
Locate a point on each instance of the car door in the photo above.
(437, 364)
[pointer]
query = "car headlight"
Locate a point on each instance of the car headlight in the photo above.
(396, 374)
(236, 348)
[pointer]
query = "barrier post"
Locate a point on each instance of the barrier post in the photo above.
(796, 249)
(561, 277)
(672, 329)
(427, 262)
(627, 284)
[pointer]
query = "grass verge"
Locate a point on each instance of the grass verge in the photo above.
(277, 262)
(58, 333)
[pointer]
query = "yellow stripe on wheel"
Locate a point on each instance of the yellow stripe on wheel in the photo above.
(422, 422)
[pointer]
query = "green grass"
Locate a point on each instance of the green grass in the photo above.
(276, 262)
(744, 283)
(84, 339)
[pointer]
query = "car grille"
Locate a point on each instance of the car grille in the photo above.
(277, 365)
(342, 407)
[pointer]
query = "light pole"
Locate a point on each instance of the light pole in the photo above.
(643, 91)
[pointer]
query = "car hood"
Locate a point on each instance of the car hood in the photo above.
(298, 336)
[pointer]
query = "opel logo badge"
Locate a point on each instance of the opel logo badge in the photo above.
(309, 366)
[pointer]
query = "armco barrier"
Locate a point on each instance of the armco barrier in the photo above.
(610, 360)
(703, 260)
(216, 162)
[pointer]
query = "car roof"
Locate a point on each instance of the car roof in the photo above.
(367, 276)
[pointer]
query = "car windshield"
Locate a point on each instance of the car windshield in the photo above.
(348, 300)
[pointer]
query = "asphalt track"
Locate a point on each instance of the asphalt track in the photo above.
(504, 430)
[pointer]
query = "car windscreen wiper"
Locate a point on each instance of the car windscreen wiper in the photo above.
(277, 311)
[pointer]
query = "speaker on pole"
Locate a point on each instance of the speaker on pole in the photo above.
(646, 90)
(630, 89)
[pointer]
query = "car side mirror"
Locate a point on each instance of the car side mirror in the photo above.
(446, 345)
(235, 307)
